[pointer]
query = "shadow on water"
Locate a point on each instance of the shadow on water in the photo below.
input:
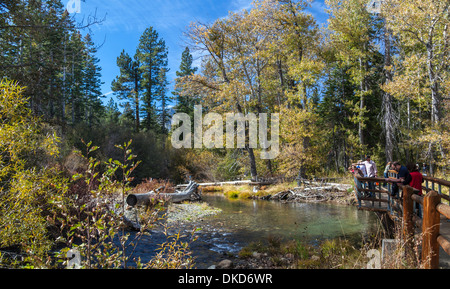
(243, 222)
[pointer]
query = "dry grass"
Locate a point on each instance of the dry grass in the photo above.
(212, 189)
(152, 185)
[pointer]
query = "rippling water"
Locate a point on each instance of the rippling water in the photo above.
(242, 222)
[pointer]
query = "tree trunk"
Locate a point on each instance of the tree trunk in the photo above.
(253, 169)
(280, 94)
(136, 99)
(389, 123)
(190, 193)
(435, 95)
(361, 105)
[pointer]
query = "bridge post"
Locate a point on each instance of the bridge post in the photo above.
(430, 230)
(407, 221)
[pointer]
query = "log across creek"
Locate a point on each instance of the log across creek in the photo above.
(189, 194)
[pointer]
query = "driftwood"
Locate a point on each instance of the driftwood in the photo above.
(189, 194)
(320, 194)
(219, 184)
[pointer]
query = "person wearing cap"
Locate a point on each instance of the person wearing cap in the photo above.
(372, 172)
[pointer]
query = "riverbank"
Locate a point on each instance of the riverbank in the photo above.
(294, 254)
(190, 212)
(313, 192)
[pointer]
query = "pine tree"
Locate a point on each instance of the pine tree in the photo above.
(41, 49)
(92, 82)
(162, 98)
(76, 77)
(352, 30)
(112, 112)
(185, 103)
(335, 112)
(152, 54)
(127, 85)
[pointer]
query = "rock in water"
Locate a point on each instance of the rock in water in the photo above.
(225, 264)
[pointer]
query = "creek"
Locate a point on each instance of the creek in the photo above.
(244, 221)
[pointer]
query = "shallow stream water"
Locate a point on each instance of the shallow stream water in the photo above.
(242, 222)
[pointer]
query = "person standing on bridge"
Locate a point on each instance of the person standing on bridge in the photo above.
(386, 170)
(372, 172)
(416, 183)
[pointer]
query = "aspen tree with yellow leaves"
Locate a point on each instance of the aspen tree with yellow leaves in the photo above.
(421, 70)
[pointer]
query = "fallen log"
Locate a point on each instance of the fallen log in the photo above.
(189, 194)
(219, 184)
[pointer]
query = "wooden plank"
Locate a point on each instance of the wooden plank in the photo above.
(374, 191)
(417, 199)
(444, 243)
(444, 210)
(373, 200)
(407, 222)
(373, 180)
(437, 181)
(442, 195)
(430, 231)
(219, 184)
(370, 209)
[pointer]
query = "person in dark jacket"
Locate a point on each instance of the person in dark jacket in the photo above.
(403, 176)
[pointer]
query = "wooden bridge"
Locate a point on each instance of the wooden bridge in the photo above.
(433, 227)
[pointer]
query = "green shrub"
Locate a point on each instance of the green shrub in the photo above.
(233, 195)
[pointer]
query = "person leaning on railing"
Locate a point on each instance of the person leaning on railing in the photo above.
(386, 172)
(403, 176)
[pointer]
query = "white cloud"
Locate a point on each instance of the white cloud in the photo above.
(108, 93)
(317, 9)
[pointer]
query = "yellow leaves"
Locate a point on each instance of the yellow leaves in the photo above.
(24, 188)
(302, 139)
(416, 20)
(307, 71)
(50, 144)
(421, 30)
(249, 50)
(350, 24)
(19, 130)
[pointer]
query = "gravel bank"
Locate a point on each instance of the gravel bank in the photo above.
(191, 212)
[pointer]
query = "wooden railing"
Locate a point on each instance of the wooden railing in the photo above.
(402, 209)
(433, 208)
(378, 198)
(433, 184)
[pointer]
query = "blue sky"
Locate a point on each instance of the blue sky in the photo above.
(126, 20)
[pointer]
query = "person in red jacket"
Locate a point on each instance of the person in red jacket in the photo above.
(416, 183)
